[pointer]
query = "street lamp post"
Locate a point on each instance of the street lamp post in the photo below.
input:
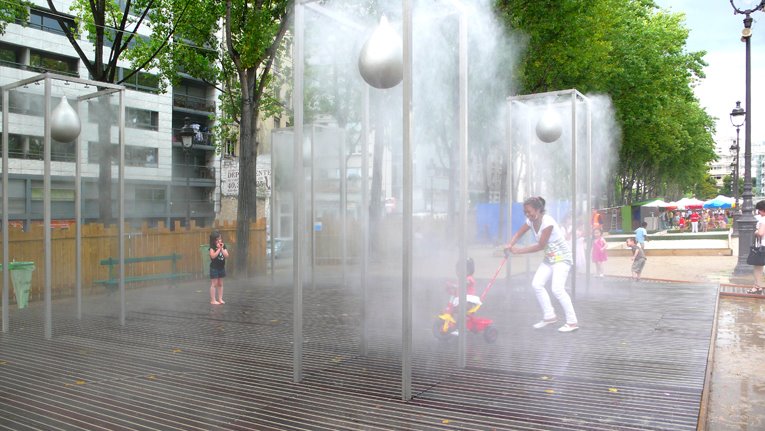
(746, 222)
(187, 141)
(737, 118)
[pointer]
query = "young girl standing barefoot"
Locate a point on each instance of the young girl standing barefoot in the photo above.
(599, 247)
(218, 256)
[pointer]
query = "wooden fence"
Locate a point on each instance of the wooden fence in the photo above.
(99, 242)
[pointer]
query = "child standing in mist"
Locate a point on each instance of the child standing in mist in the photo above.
(556, 265)
(599, 255)
(218, 256)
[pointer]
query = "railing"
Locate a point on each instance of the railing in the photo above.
(200, 138)
(37, 69)
(191, 102)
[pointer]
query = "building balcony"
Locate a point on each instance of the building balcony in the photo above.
(192, 103)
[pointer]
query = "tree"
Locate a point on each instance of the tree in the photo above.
(113, 33)
(635, 54)
(242, 67)
(13, 11)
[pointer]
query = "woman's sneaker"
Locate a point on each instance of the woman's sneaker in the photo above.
(542, 323)
(568, 327)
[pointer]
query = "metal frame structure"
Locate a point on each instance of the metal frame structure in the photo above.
(561, 98)
(407, 200)
(105, 89)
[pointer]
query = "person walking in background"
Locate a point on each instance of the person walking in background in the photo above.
(599, 254)
(641, 233)
(638, 258)
(557, 262)
(218, 256)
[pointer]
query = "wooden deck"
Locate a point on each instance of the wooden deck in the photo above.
(637, 363)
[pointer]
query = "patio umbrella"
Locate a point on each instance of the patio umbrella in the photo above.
(658, 203)
(719, 202)
(690, 204)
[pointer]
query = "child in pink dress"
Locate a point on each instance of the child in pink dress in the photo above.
(599, 254)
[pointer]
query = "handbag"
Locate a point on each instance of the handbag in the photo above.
(756, 253)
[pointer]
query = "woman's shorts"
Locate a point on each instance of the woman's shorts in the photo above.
(217, 273)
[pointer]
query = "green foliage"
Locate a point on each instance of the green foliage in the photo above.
(13, 11)
(636, 54)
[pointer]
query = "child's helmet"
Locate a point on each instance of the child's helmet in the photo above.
(469, 266)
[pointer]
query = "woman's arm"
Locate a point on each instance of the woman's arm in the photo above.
(540, 245)
(523, 229)
(760, 232)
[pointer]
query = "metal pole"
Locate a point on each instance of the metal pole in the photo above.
(735, 168)
(6, 270)
(463, 156)
(406, 285)
(574, 183)
(48, 267)
(747, 222)
(272, 212)
(78, 218)
(312, 222)
(364, 220)
(188, 187)
(121, 197)
(298, 222)
(343, 209)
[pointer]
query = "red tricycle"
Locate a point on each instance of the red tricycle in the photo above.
(445, 325)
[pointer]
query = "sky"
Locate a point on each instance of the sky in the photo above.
(715, 29)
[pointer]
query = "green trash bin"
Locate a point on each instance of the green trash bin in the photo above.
(204, 252)
(21, 278)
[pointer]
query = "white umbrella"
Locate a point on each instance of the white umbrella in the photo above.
(658, 203)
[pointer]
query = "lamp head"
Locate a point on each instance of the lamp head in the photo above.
(187, 134)
(738, 115)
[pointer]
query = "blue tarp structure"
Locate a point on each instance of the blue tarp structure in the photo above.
(488, 216)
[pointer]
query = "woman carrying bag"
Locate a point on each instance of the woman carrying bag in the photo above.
(756, 256)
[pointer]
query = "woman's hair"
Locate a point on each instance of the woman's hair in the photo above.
(760, 206)
(536, 202)
(213, 238)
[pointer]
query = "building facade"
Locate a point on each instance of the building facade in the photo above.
(163, 182)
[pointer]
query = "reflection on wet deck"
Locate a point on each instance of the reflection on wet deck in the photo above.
(737, 387)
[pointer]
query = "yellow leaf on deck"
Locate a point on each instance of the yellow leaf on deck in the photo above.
(79, 382)
(545, 378)
(613, 390)
(445, 421)
(151, 377)
(3, 363)
(550, 391)
(177, 350)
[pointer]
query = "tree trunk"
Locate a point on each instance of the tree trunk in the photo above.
(247, 199)
(105, 121)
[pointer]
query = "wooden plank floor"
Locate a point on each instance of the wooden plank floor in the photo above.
(637, 363)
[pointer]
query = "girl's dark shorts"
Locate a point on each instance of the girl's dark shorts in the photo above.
(217, 273)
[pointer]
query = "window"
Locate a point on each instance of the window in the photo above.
(142, 157)
(10, 55)
(31, 148)
(153, 194)
(21, 102)
(110, 33)
(46, 21)
(45, 61)
(141, 119)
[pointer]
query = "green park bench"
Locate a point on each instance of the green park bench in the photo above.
(114, 278)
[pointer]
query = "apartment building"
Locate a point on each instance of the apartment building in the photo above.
(163, 182)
